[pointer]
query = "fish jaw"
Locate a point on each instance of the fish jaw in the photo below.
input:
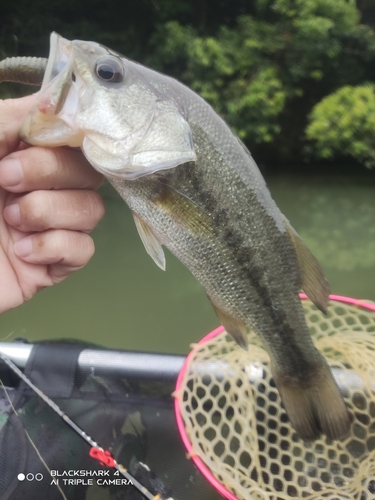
(47, 123)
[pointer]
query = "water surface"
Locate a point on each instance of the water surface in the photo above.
(123, 300)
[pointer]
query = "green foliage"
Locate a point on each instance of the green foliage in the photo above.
(278, 61)
(264, 95)
(344, 123)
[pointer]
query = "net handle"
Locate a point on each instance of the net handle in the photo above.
(180, 424)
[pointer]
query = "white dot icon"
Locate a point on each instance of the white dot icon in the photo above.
(21, 477)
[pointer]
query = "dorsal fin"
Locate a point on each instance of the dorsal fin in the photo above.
(313, 281)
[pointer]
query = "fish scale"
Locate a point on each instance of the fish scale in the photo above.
(194, 187)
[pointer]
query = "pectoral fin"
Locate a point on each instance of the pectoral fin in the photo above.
(152, 244)
(235, 327)
(313, 281)
(185, 211)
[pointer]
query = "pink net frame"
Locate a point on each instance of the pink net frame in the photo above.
(180, 423)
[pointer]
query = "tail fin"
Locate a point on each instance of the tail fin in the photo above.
(315, 407)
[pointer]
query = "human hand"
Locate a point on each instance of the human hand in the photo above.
(48, 205)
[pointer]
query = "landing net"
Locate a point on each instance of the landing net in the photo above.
(235, 429)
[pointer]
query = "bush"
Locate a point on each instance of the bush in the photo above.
(266, 72)
(344, 123)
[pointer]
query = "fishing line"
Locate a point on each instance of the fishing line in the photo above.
(32, 442)
(96, 451)
(17, 329)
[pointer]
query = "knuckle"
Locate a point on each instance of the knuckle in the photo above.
(51, 245)
(71, 246)
(91, 207)
(77, 167)
(7, 143)
(34, 209)
(88, 248)
(58, 242)
(40, 165)
(98, 208)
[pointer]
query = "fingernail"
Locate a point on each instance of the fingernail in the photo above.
(12, 214)
(11, 172)
(24, 247)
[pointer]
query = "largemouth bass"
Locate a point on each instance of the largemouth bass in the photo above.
(194, 187)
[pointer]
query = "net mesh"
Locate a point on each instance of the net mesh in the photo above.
(236, 425)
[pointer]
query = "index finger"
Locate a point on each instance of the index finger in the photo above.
(12, 113)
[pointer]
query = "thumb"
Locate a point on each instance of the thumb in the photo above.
(12, 114)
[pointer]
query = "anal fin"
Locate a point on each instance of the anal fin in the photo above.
(235, 327)
(315, 407)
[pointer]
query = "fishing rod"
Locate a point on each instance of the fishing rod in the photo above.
(96, 451)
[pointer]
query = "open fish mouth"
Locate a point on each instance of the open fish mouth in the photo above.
(60, 54)
(57, 77)
(57, 102)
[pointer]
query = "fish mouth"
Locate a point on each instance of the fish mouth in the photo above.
(57, 79)
(45, 124)
(59, 54)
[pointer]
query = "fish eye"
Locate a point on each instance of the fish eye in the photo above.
(109, 69)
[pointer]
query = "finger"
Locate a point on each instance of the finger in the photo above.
(75, 209)
(41, 168)
(12, 113)
(64, 251)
